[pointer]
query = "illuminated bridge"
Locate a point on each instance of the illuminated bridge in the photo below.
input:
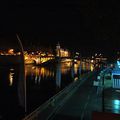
(37, 59)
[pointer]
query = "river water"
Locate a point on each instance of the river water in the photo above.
(41, 84)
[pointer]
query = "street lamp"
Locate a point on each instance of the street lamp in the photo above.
(22, 86)
(102, 80)
(103, 93)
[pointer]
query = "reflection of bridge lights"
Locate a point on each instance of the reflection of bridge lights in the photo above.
(11, 78)
(91, 67)
(75, 68)
(42, 71)
(76, 78)
(83, 66)
(33, 67)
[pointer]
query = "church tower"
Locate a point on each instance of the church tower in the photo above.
(58, 50)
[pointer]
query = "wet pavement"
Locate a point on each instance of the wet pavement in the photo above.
(88, 99)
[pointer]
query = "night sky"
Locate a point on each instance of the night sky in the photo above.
(84, 25)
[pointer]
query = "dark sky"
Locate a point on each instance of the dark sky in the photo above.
(86, 25)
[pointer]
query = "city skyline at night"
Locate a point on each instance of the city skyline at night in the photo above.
(59, 60)
(85, 26)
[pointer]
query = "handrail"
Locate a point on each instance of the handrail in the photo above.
(47, 109)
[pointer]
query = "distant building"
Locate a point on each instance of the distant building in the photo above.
(60, 52)
(58, 48)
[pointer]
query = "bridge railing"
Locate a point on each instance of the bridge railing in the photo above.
(50, 107)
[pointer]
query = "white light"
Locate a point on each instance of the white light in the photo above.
(75, 60)
(118, 63)
(116, 106)
(116, 102)
(92, 61)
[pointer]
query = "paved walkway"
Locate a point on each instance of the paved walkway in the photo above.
(87, 99)
(82, 103)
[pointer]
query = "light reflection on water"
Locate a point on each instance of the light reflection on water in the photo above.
(37, 73)
(41, 81)
(65, 67)
(11, 75)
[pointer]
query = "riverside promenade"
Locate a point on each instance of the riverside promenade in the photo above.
(81, 101)
(92, 103)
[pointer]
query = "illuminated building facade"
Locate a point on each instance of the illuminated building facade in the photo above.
(60, 52)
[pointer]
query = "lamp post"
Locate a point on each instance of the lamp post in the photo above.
(103, 93)
(102, 80)
(22, 86)
(58, 72)
(72, 67)
(80, 68)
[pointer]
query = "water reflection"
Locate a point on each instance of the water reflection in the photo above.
(87, 66)
(41, 82)
(37, 73)
(9, 102)
(76, 68)
(58, 74)
(91, 67)
(11, 78)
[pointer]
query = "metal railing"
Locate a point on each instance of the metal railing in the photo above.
(49, 108)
